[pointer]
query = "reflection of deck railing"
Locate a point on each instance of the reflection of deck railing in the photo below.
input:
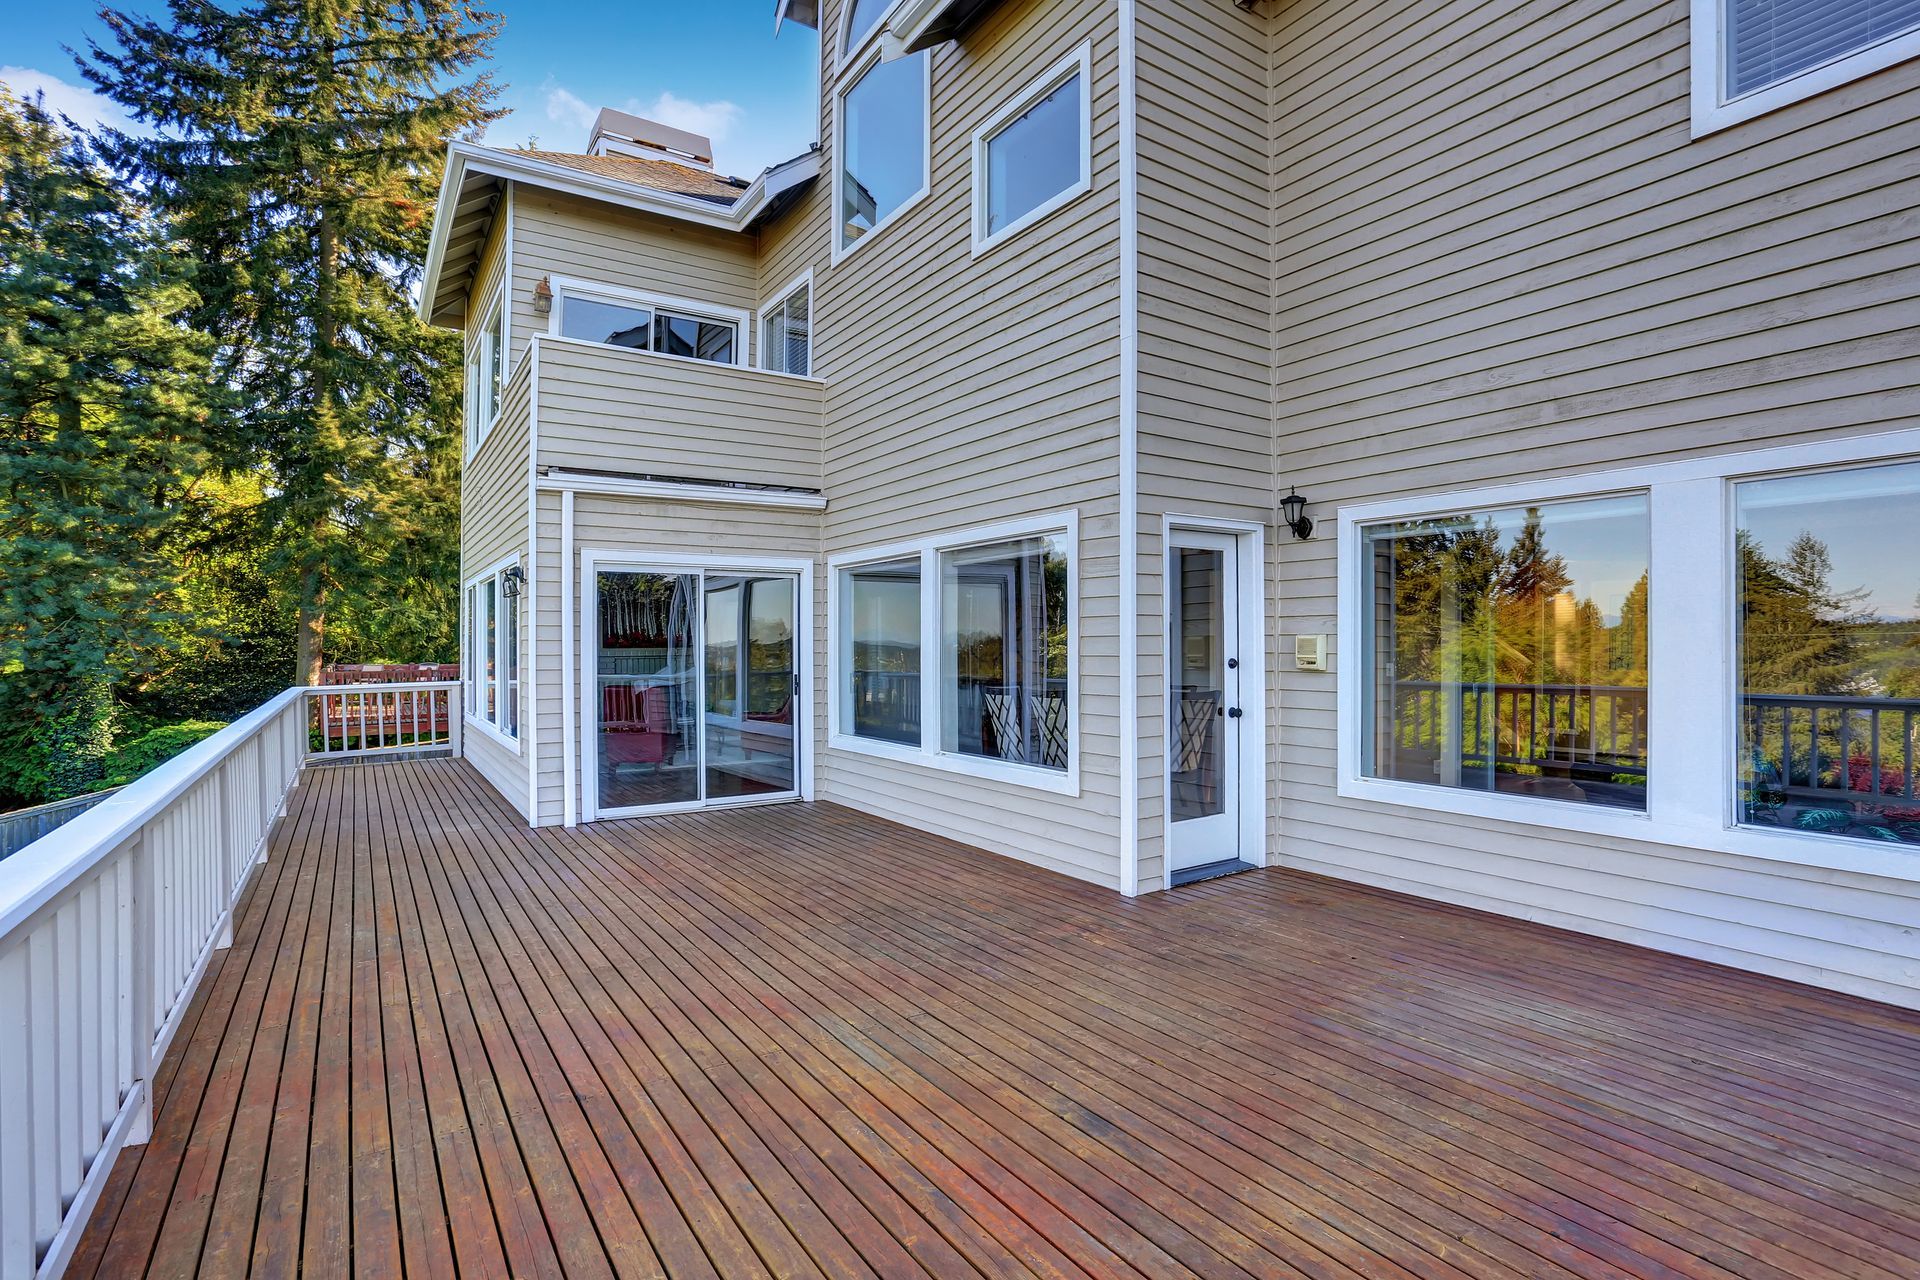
(886, 704)
(1826, 747)
(1582, 730)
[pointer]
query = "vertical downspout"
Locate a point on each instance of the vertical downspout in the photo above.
(1129, 606)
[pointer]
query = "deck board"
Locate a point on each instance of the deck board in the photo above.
(800, 1041)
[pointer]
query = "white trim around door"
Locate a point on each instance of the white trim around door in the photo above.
(582, 749)
(1237, 833)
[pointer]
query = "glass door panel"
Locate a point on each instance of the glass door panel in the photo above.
(1203, 696)
(748, 722)
(648, 689)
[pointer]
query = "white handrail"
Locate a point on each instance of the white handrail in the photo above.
(108, 924)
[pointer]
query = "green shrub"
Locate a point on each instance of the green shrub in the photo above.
(154, 748)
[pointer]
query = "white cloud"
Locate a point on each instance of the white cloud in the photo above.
(713, 120)
(87, 108)
(567, 109)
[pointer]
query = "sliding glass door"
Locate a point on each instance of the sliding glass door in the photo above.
(695, 684)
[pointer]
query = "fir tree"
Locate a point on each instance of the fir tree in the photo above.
(102, 421)
(299, 144)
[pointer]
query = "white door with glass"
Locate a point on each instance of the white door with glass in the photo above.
(694, 689)
(1204, 713)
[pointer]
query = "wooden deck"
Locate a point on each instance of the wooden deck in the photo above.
(798, 1041)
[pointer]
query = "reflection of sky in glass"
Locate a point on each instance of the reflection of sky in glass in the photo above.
(884, 131)
(1867, 517)
(1034, 158)
(860, 21)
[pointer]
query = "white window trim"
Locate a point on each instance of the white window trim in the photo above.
(1692, 686)
(739, 317)
(477, 432)
(802, 281)
(929, 753)
(848, 81)
(1713, 110)
(1080, 63)
(475, 680)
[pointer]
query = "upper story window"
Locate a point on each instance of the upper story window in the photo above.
(862, 17)
(1751, 56)
(646, 325)
(486, 372)
(881, 147)
(1035, 154)
(786, 340)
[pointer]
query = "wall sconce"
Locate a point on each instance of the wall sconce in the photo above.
(1293, 514)
(510, 580)
(543, 296)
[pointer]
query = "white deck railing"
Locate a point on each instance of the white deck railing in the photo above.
(107, 924)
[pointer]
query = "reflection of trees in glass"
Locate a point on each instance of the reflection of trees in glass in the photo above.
(1799, 635)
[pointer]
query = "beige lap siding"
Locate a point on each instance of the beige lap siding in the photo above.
(493, 527)
(963, 391)
(1498, 255)
(1205, 434)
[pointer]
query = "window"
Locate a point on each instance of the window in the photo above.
(486, 373)
(645, 326)
(862, 17)
(882, 153)
(1508, 651)
(958, 653)
(1504, 648)
(882, 630)
(1828, 613)
(491, 672)
(785, 337)
(1003, 651)
(1750, 56)
(1035, 154)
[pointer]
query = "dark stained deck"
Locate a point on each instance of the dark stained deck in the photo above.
(802, 1042)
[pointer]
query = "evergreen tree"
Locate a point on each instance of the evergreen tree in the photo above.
(1798, 632)
(299, 144)
(102, 427)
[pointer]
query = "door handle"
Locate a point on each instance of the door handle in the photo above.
(1234, 713)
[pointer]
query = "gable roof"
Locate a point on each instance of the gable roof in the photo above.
(476, 176)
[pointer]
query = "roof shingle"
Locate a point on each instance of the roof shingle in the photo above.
(660, 175)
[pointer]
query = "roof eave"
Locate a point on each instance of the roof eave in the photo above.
(921, 24)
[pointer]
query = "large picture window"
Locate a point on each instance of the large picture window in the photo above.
(882, 630)
(1508, 651)
(881, 159)
(1003, 651)
(1829, 662)
(958, 652)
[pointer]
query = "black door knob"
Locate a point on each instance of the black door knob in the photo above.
(1234, 713)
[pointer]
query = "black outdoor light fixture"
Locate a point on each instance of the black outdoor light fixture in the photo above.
(1293, 514)
(510, 580)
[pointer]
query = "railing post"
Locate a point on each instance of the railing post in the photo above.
(229, 856)
(144, 1023)
(455, 729)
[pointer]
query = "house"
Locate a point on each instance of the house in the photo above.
(1464, 449)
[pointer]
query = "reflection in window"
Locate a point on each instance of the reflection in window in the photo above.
(1004, 665)
(1034, 158)
(645, 328)
(884, 144)
(648, 682)
(510, 660)
(882, 659)
(1829, 618)
(861, 20)
(786, 345)
(1508, 651)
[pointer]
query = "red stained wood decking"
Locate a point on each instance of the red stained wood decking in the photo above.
(798, 1041)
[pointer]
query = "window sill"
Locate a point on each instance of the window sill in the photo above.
(982, 246)
(488, 729)
(1032, 777)
(1804, 850)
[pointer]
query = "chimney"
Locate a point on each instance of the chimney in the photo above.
(616, 133)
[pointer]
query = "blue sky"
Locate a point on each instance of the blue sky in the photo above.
(715, 68)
